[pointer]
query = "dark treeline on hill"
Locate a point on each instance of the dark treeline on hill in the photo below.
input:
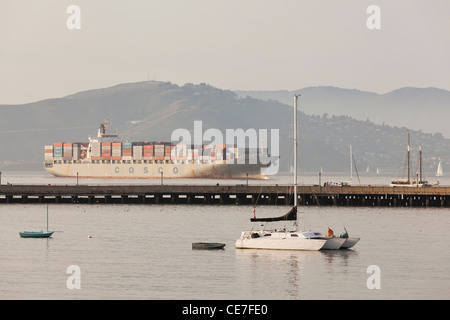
(151, 111)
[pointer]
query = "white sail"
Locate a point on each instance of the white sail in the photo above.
(439, 172)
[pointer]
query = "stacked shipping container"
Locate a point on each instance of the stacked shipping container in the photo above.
(127, 151)
(48, 153)
(116, 150)
(148, 152)
(137, 152)
(58, 150)
(106, 150)
(76, 151)
(96, 151)
(142, 151)
(159, 151)
(179, 152)
(220, 152)
(168, 151)
(67, 151)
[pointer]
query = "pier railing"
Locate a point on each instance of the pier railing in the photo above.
(228, 194)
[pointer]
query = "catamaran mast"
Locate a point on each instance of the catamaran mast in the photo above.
(295, 158)
(295, 149)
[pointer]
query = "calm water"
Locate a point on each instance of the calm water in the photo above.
(144, 252)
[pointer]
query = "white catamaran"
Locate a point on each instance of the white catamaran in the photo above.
(283, 239)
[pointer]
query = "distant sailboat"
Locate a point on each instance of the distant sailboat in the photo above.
(349, 183)
(439, 172)
(419, 182)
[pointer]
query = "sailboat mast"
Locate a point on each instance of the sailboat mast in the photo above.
(408, 157)
(47, 218)
(295, 149)
(420, 162)
(351, 165)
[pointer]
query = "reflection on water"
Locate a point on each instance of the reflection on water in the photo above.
(290, 274)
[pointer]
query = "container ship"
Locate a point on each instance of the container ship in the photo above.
(107, 156)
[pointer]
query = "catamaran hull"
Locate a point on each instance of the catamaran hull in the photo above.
(349, 242)
(157, 171)
(333, 243)
(280, 244)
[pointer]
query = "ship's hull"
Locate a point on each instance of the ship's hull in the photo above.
(217, 170)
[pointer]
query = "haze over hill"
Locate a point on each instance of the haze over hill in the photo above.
(423, 109)
(152, 110)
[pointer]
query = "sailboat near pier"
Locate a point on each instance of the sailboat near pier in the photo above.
(418, 182)
(284, 239)
(37, 234)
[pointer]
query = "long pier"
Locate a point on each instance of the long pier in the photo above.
(228, 195)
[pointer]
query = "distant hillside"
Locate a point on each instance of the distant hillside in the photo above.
(426, 109)
(150, 111)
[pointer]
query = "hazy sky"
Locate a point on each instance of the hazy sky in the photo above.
(230, 44)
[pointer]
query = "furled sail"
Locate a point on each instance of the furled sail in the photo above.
(291, 215)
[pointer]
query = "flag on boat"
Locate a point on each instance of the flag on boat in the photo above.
(330, 232)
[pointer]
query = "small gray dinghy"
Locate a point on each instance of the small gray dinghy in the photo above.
(207, 245)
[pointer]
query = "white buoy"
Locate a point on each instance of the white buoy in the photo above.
(89, 236)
